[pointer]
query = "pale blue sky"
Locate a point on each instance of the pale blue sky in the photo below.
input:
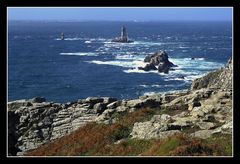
(121, 14)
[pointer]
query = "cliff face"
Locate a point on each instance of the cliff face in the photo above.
(201, 112)
(221, 78)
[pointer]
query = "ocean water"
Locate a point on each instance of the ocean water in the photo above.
(87, 64)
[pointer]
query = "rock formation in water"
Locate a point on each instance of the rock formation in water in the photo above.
(157, 61)
(201, 112)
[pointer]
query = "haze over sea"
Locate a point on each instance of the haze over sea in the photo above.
(87, 63)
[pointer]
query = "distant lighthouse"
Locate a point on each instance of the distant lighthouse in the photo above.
(62, 36)
(124, 36)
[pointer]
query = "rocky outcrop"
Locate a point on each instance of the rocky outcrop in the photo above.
(221, 78)
(213, 115)
(158, 127)
(157, 61)
(34, 122)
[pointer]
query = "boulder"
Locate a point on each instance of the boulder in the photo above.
(203, 134)
(157, 127)
(94, 100)
(108, 100)
(114, 104)
(99, 107)
(193, 104)
(206, 125)
(138, 103)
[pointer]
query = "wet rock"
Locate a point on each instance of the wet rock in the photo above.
(148, 67)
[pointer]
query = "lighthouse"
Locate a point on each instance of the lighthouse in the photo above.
(62, 36)
(123, 37)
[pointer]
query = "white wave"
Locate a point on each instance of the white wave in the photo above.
(125, 64)
(192, 77)
(149, 93)
(193, 59)
(136, 71)
(197, 64)
(70, 39)
(151, 86)
(88, 41)
(73, 39)
(81, 54)
(125, 57)
(115, 63)
(183, 47)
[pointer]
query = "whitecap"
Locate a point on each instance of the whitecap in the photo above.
(80, 54)
(138, 71)
(149, 93)
(88, 41)
(69, 39)
(151, 86)
(125, 64)
(183, 47)
(192, 59)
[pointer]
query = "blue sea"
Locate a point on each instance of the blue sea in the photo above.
(87, 63)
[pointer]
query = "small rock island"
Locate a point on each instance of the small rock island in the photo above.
(157, 61)
(123, 38)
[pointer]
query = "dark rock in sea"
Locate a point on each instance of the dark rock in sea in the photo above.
(148, 67)
(159, 60)
(181, 77)
(192, 58)
(163, 67)
(157, 57)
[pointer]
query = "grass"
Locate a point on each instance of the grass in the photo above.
(100, 140)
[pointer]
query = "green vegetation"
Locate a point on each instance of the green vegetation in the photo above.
(113, 140)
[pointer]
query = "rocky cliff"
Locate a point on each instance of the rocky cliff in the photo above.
(201, 112)
(221, 78)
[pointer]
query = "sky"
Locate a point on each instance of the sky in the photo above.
(121, 14)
